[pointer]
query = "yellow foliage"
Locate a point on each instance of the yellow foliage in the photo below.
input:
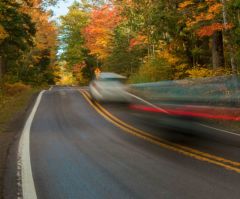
(155, 69)
(65, 76)
(204, 72)
(171, 59)
(199, 72)
(66, 79)
(180, 71)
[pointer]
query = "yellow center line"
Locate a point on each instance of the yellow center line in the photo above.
(163, 143)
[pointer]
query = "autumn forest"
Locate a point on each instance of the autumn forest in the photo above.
(145, 40)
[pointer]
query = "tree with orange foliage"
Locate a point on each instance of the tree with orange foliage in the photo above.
(138, 40)
(98, 33)
(206, 18)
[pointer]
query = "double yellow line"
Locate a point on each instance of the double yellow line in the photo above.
(199, 155)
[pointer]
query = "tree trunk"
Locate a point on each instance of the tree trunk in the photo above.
(232, 56)
(234, 66)
(217, 50)
(1, 69)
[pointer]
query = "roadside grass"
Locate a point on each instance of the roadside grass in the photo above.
(12, 104)
(14, 99)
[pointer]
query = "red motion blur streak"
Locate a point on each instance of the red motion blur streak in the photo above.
(190, 113)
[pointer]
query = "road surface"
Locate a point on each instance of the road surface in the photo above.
(79, 149)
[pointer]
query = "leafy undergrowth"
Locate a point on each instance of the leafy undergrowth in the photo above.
(13, 98)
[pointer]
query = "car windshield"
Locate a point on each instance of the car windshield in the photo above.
(116, 80)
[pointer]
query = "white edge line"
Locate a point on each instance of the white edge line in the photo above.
(225, 131)
(27, 183)
(146, 102)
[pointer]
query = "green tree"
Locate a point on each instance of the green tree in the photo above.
(72, 47)
(123, 59)
(20, 31)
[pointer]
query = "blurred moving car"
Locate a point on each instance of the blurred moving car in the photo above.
(189, 104)
(109, 87)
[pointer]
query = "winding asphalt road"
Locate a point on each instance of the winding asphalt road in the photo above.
(79, 149)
